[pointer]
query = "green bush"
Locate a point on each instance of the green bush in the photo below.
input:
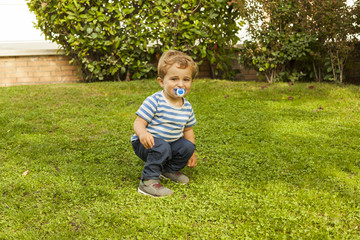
(292, 39)
(118, 40)
(275, 54)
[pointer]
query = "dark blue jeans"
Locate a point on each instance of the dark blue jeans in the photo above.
(170, 157)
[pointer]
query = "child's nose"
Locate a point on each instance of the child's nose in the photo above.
(181, 83)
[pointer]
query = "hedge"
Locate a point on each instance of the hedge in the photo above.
(122, 40)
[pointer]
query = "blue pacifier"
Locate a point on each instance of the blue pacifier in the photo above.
(180, 91)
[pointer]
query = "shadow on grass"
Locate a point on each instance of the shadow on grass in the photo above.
(261, 136)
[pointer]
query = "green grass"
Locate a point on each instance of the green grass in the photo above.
(269, 167)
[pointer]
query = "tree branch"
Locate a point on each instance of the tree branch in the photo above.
(194, 10)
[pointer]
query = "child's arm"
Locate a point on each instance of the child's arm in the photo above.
(146, 138)
(189, 135)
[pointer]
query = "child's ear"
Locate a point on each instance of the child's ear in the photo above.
(161, 82)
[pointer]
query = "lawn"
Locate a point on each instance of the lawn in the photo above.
(275, 161)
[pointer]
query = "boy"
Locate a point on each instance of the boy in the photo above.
(164, 137)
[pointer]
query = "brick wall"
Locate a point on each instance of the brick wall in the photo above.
(48, 69)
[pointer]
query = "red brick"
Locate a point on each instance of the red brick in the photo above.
(42, 63)
(49, 68)
(26, 58)
(69, 67)
(62, 63)
(50, 79)
(28, 79)
(40, 58)
(71, 79)
(12, 64)
(27, 69)
(3, 69)
(49, 58)
(7, 59)
(62, 73)
(63, 57)
(7, 80)
(39, 74)
(16, 74)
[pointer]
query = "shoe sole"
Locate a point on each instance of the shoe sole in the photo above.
(162, 177)
(148, 194)
(145, 193)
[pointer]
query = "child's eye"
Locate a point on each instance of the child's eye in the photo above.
(187, 80)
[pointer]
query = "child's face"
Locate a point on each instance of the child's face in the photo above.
(176, 77)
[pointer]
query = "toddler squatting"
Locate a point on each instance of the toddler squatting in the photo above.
(164, 137)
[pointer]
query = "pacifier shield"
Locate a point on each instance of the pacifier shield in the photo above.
(180, 91)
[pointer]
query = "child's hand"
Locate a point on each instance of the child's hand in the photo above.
(147, 140)
(192, 161)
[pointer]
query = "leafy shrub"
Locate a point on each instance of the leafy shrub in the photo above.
(113, 40)
(275, 58)
(298, 38)
(276, 42)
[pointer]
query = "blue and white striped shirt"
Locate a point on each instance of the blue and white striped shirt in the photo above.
(164, 120)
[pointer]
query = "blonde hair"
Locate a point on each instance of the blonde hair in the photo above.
(171, 57)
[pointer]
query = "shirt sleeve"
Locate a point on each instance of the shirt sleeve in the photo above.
(148, 109)
(192, 120)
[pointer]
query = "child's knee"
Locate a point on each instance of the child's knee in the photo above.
(190, 147)
(184, 148)
(161, 147)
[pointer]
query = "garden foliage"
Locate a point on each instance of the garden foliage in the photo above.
(293, 39)
(118, 40)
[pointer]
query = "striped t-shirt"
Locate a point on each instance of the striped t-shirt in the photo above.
(164, 120)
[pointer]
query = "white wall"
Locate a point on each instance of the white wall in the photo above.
(16, 22)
